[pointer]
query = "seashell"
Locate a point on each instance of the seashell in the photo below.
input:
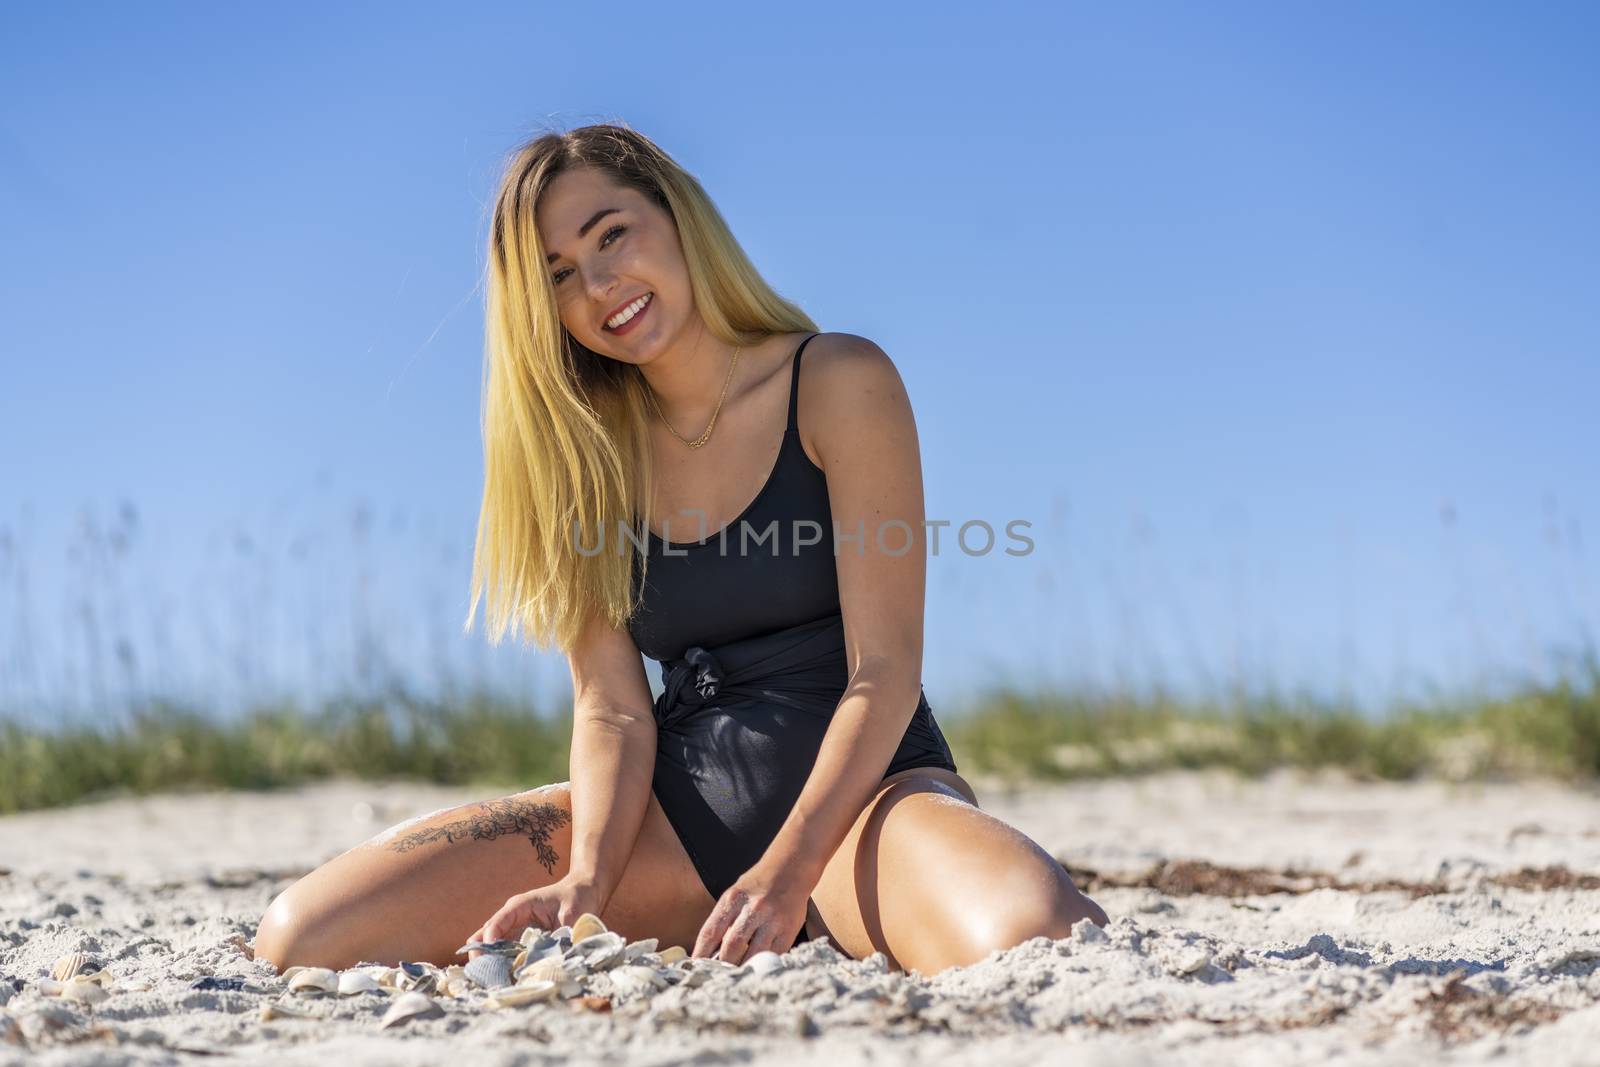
(561, 933)
(522, 958)
(601, 950)
(290, 972)
(456, 987)
(499, 947)
(546, 970)
(632, 978)
(84, 990)
(553, 957)
(542, 950)
(103, 977)
(284, 1009)
(73, 964)
(635, 970)
(765, 962)
(697, 970)
(641, 948)
(566, 974)
(672, 955)
(490, 972)
(417, 978)
(455, 970)
(315, 980)
(588, 925)
(410, 1005)
(352, 983)
(517, 996)
(50, 987)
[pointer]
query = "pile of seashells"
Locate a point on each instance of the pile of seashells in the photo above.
(77, 976)
(584, 961)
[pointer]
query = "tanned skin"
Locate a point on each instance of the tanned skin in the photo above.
(496, 818)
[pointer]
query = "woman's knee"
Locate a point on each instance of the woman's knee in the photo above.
(1036, 903)
(283, 937)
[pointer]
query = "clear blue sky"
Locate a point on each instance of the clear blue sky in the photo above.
(1280, 322)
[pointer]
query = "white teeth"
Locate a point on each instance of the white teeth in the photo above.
(629, 312)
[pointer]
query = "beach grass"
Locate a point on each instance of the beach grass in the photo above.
(120, 647)
(164, 746)
(1548, 730)
(1541, 730)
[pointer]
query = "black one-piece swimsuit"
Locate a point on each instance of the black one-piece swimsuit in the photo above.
(750, 640)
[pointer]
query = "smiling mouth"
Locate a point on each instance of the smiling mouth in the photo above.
(648, 298)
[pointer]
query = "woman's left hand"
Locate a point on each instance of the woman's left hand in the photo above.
(762, 910)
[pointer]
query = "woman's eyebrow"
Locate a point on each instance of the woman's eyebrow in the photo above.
(584, 229)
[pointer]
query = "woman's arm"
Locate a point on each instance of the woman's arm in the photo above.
(866, 437)
(864, 434)
(612, 763)
(613, 753)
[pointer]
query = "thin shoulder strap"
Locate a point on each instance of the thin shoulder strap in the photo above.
(794, 386)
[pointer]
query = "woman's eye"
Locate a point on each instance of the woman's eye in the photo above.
(605, 239)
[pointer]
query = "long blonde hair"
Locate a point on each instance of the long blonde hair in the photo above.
(566, 450)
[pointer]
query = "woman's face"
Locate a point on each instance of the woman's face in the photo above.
(628, 248)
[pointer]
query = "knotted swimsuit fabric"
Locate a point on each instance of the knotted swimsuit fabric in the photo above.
(753, 665)
(738, 732)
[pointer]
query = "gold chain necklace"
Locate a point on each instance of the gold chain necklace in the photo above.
(703, 438)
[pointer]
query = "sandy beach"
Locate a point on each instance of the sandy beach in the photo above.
(1292, 918)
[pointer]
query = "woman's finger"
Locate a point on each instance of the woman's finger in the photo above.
(712, 930)
(709, 936)
(766, 940)
(740, 932)
(509, 916)
(476, 935)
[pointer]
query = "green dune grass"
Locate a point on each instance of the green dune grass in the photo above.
(382, 729)
(1548, 730)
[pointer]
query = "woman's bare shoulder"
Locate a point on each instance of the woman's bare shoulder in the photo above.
(845, 378)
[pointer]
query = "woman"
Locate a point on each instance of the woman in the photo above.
(790, 781)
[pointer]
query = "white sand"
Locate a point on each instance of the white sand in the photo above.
(167, 890)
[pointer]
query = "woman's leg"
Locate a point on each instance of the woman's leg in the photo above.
(418, 890)
(932, 881)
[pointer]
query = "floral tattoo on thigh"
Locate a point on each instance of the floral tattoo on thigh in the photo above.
(497, 818)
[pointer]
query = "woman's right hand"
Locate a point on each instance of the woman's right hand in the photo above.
(557, 904)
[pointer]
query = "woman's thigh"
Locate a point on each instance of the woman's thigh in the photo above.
(925, 876)
(418, 890)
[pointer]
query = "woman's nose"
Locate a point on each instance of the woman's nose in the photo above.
(602, 286)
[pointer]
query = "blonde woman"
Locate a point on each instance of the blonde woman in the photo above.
(678, 463)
